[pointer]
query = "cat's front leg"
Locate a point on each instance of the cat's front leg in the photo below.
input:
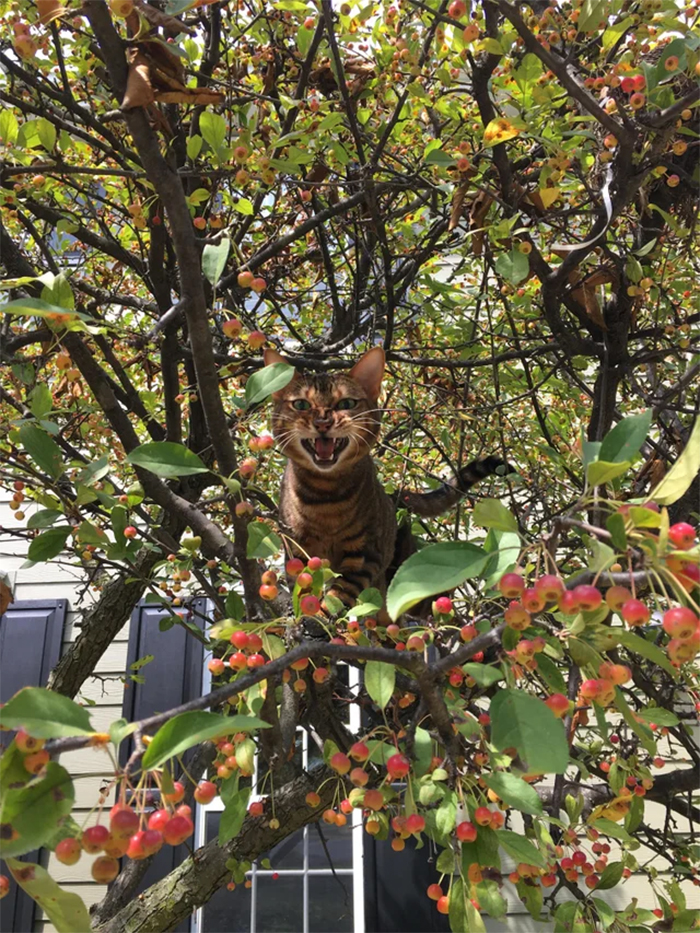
(358, 571)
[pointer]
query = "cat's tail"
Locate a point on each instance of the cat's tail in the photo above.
(434, 503)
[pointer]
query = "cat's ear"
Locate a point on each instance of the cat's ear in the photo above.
(369, 370)
(271, 356)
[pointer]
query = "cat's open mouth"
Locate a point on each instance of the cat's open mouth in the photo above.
(325, 450)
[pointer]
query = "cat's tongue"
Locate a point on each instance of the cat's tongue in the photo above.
(325, 447)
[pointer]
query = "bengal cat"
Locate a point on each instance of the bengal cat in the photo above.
(332, 503)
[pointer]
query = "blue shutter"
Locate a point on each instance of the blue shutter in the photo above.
(174, 676)
(31, 632)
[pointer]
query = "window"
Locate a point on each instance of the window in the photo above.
(319, 883)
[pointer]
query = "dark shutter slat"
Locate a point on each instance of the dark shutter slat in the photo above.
(174, 676)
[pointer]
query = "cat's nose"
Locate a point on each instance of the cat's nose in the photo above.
(323, 422)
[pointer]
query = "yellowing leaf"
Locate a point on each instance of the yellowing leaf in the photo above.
(548, 196)
(499, 131)
(681, 475)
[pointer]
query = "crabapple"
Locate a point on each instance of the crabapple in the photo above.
(549, 587)
(205, 792)
(682, 535)
(398, 766)
(635, 612)
(94, 839)
(68, 851)
(415, 823)
(340, 763)
(105, 869)
(511, 585)
(680, 622)
(177, 829)
(466, 831)
(559, 704)
(232, 327)
(589, 597)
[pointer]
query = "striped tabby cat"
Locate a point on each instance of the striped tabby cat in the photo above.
(331, 501)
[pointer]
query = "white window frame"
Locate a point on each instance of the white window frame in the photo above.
(356, 872)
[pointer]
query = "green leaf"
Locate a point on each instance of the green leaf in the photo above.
(47, 133)
(551, 674)
(605, 912)
(484, 674)
(645, 734)
(490, 513)
(244, 206)
(91, 534)
(41, 400)
(611, 875)
(522, 721)
(514, 791)
(458, 907)
(615, 524)
(532, 897)
(66, 911)
(513, 266)
(234, 606)
(681, 475)
(45, 714)
(626, 438)
(614, 830)
(262, 541)
(167, 459)
(214, 259)
(369, 602)
(615, 32)
(380, 679)
(446, 815)
(194, 145)
(520, 848)
(662, 717)
(188, 729)
(212, 126)
(9, 127)
(591, 450)
(44, 518)
(267, 380)
(119, 730)
(439, 157)
(490, 899)
(31, 814)
(592, 13)
(483, 851)
(235, 809)
(35, 307)
(94, 471)
(601, 472)
(43, 449)
(432, 570)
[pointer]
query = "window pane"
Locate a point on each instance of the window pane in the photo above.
(228, 910)
(288, 854)
(279, 905)
(338, 842)
(330, 907)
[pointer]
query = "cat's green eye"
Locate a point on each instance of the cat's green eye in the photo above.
(345, 404)
(301, 404)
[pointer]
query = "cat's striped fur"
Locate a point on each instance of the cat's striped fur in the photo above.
(331, 501)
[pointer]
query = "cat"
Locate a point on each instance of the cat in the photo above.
(332, 503)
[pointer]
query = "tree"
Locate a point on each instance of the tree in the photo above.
(506, 199)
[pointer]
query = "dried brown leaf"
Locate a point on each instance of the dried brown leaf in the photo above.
(49, 10)
(202, 96)
(139, 92)
(457, 205)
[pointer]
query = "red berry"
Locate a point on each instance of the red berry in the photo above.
(443, 905)
(310, 605)
(205, 792)
(176, 794)
(124, 823)
(255, 660)
(589, 597)
(568, 603)
(434, 892)
(216, 666)
(442, 605)
(130, 532)
(294, 567)
(511, 585)
(359, 751)
(152, 841)
(559, 704)
(616, 597)
(549, 587)
(27, 743)
(634, 612)
(239, 639)
(94, 839)
(468, 632)
(340, 763)
(257, 808)
(415, 823)
(682, 535)
(398, 767)
(482, 815)
(4, 886)
(68, 851)
(177, 829)
(466, 831)
(680, 622)
(105, 869)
